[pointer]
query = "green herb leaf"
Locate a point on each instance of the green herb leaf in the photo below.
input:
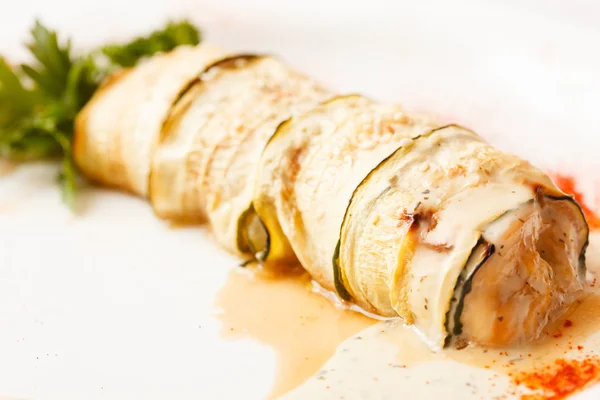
(53, 61)
(173, 35)
(39, 101)
(15, 101)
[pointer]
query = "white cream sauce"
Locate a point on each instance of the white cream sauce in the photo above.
(390, 361)
(384, 360)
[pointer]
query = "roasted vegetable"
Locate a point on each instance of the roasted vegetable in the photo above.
(116, 133)
(39, 101)
(444, 227)
(394, 213)
(310, 168)
(462, 240)
(204, 167)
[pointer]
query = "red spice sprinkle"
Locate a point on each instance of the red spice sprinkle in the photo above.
(579, 348)
(568, 323)
(568, 185)
(560, 379)
(556, 336)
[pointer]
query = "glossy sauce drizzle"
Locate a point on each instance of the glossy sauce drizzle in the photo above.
(283, 312)
(388, 359)
(304, 328)
(565, 360)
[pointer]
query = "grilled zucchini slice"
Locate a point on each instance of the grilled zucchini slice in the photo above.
(117, 131)
(205, 164)
(310, 168)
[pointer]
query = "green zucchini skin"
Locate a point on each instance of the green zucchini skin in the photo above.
(338, 272)
(464, 282)
(340, 288)
(351, 132)
(263, 255)
(244, 236)
(582, 255)
(245, 241)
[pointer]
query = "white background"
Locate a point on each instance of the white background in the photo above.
(113, 304)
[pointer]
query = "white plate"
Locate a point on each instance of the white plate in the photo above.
(115, 304)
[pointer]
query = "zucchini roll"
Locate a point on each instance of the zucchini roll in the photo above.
(467, 243)
(116, 132)
(308, 172)
(205, 164)
(393, 212)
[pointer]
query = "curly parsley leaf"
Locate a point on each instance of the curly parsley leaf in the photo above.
(15, 100)
(173, 35)
(53, 61)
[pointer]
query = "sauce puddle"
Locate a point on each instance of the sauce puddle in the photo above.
(283, 311)
(390, 360)
(387, 359)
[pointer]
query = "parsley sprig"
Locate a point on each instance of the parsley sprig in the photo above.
(39, 101)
